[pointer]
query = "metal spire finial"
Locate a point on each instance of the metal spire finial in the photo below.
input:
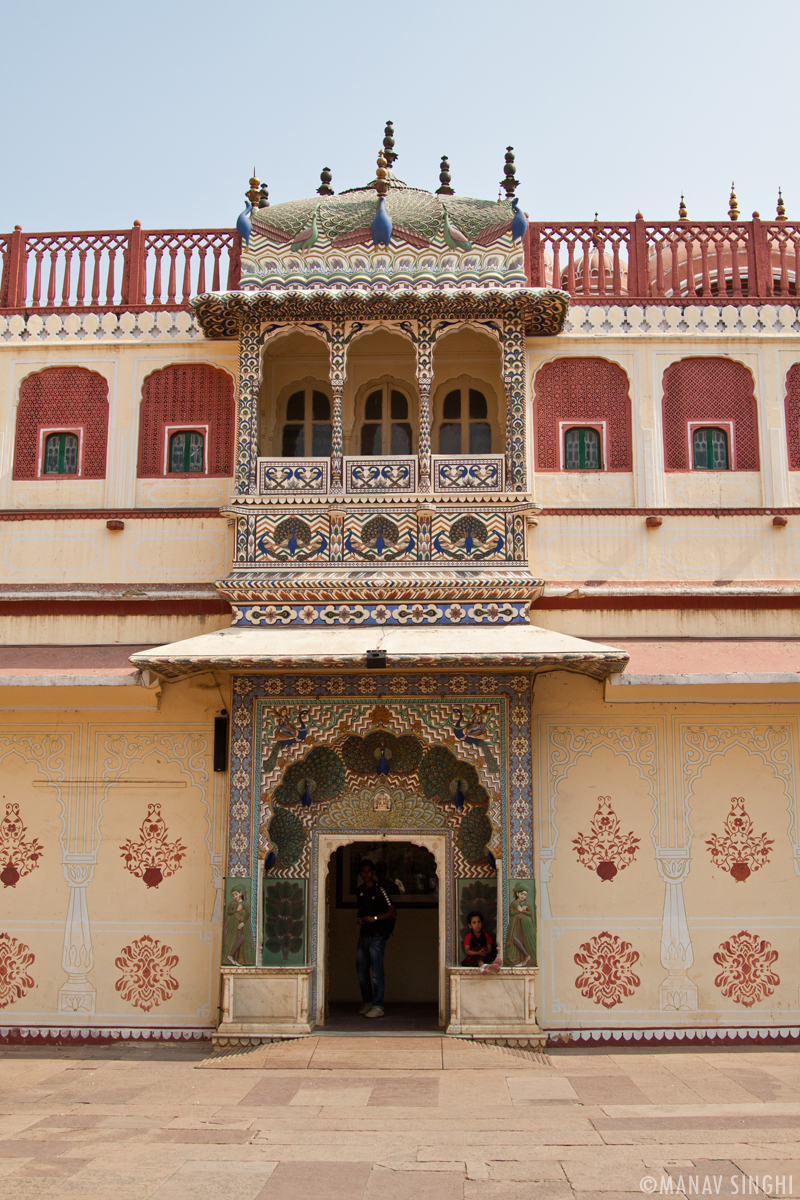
(682, 211)
(254, 194)
(381, 183)
(325, 177)
(509, 182)
(733, 205)
(444, 178)
(388, 144)
(781, 207)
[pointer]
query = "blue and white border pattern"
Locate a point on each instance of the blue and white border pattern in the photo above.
(479, 612)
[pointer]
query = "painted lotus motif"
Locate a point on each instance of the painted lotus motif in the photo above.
(17, 857)
(16, 959)
(747, 975)
(607, 976)
(147, 978)
(153, 858)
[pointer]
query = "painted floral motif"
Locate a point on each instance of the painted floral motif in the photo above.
(746, 976)
(17, 857)
(607, 974)
(740, 851)
(15, 960)
(147, 978)
(606, 849)
(153, 858)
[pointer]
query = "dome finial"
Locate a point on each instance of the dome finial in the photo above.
(381, 182)
(254, 195)
(510, 181)
(781, 207)
(388, 144)
(263, 197)
(325, 178)
(682, 210)
(733, 205)
(444, 178)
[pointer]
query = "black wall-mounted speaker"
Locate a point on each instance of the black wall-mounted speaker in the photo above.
(220, 743)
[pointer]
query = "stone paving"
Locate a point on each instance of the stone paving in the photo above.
(394, 1118)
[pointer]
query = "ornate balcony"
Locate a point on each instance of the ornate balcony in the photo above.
(371, 476)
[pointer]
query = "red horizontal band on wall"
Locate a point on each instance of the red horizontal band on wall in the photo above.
(161, 607)
(630, 603)
(666, 512)
(107, 514)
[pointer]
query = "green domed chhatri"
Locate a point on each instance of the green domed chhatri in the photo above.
(418, 216)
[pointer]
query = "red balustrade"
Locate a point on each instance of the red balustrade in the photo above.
(598, 262)
(690, 262)
(118, 269)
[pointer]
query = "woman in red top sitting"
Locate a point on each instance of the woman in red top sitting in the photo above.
(478, 944)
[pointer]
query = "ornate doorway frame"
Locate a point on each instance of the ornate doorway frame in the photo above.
(323, 847)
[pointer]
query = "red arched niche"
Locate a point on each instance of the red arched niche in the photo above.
(712, 390)
(184, 395)
(582, 390)
(793, 416)
(62, 398)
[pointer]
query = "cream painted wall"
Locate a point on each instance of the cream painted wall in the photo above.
(83, 778)
(670, 773)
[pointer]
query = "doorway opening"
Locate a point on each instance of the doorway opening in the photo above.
(408, 873)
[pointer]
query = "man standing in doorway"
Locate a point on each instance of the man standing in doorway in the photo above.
(376, 918)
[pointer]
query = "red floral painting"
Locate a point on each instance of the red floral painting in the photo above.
(746, 976)
(739, 851)
(153, 858)
(15, 961)
(606, 850)
(607, 974)
(147, 978)
(17, 857)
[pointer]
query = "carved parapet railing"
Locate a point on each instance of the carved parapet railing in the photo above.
(468, 473)
(293, 476)
(389, 474)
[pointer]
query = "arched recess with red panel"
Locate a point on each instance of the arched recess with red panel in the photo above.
(717, 391)
(582, 391)
(71, 399)
(186, 396)
(793, 416)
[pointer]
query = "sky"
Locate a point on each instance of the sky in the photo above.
(158, 110)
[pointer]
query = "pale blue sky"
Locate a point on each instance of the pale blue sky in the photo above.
(158, 111)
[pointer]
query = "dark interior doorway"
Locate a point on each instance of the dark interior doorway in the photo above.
(408, 873)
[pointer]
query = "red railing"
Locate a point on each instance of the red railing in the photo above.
(637, 261)
(686, 261)
(131, 269)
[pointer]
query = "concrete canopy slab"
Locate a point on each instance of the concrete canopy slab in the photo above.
(513, 647)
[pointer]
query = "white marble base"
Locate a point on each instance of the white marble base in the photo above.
(495, 1007)
(261, 1004)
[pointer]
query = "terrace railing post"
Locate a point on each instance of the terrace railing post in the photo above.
(533, 257)
(14, 285)
(638, 282)
(759, 271)
(134, 284)
(235, 264)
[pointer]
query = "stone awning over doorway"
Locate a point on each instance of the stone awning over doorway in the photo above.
(513, 647)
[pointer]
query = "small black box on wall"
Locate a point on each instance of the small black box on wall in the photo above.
(220, 743)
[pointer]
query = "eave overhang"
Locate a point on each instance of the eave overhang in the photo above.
(542, 311)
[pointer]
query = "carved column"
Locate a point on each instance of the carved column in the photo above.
(337, 346)
(247, 423)
(77, 995)
(424, 347)
(513, 346)
(677, 992)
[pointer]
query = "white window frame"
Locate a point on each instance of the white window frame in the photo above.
(196, 427)
(725, 426)
(44, 434)
(577, 423)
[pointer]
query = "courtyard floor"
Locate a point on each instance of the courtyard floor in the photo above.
(396, 1118)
